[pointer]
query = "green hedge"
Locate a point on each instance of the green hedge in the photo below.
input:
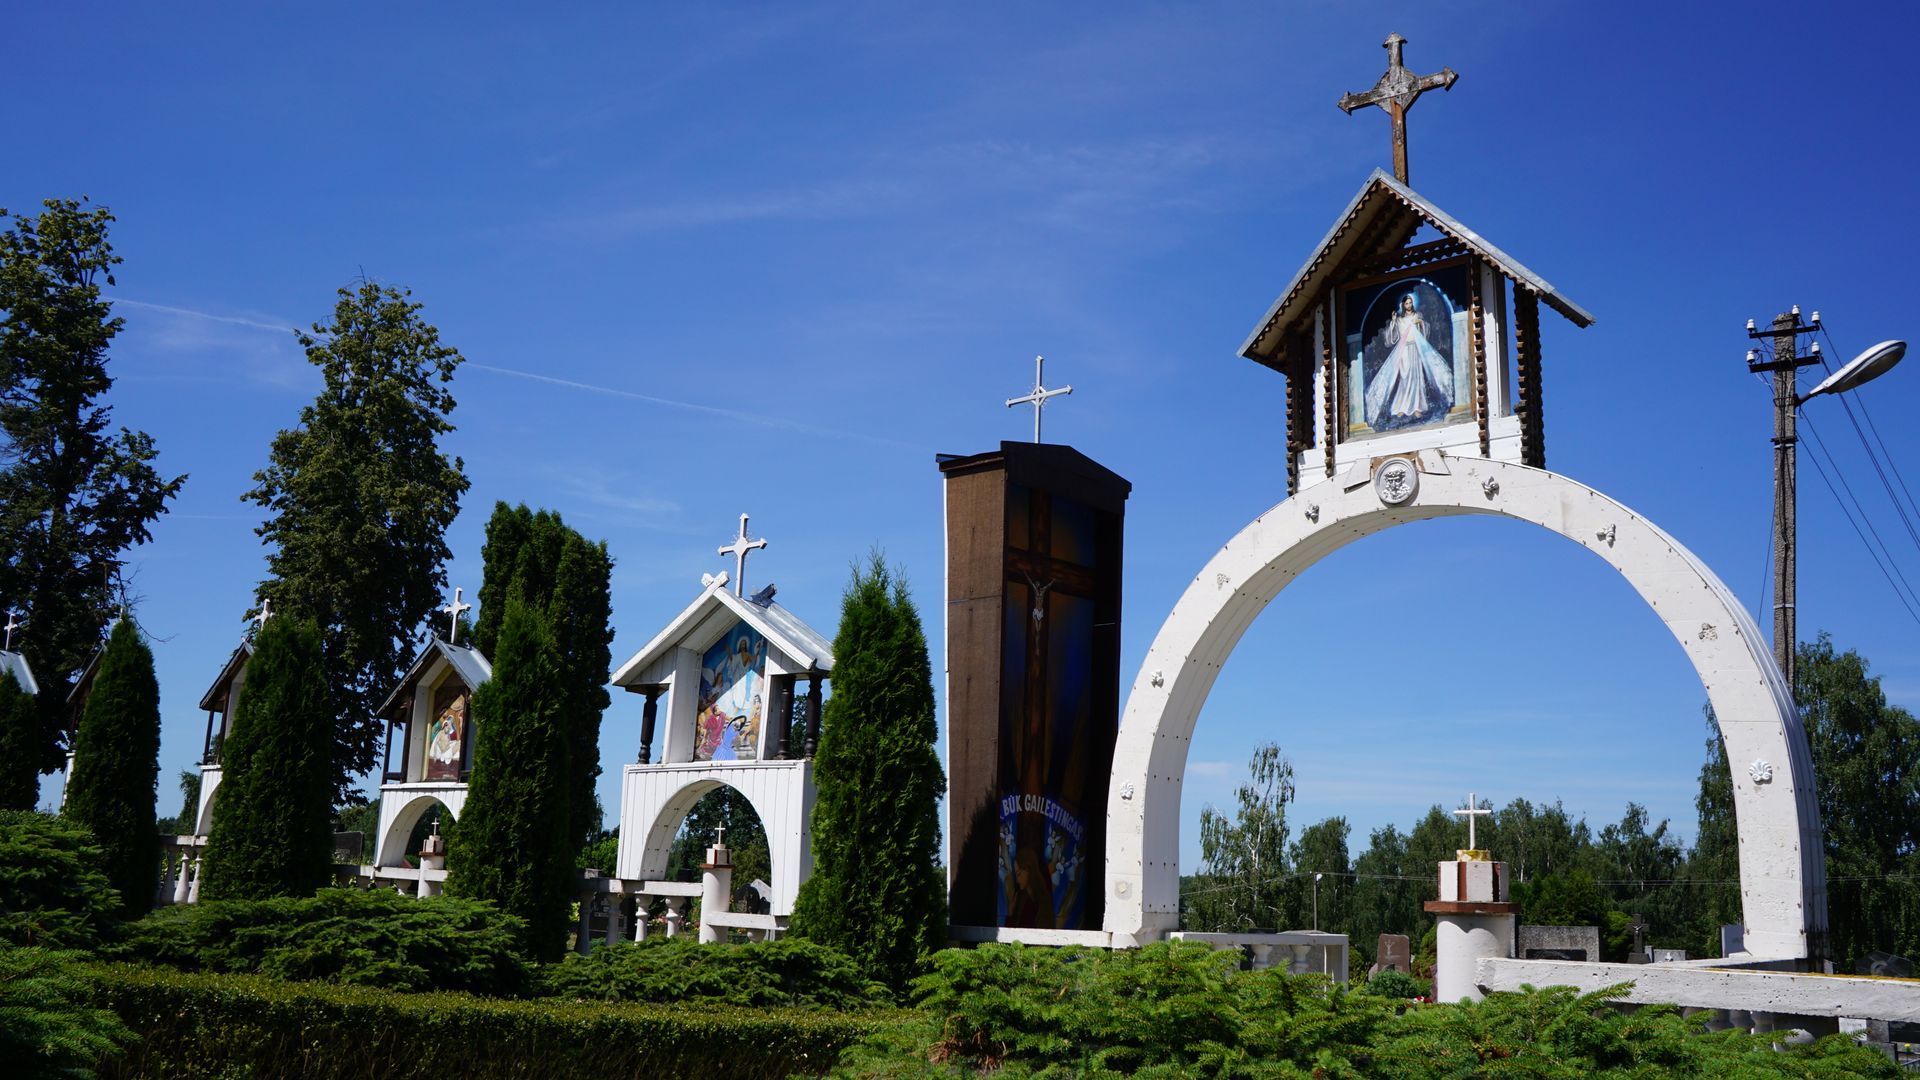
(788, 972)
(200, 1025)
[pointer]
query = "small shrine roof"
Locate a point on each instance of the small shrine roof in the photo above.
(84, 683)
(787, 631)
(17, 664)
(469, 663)
(1384, 215)
(215, 695)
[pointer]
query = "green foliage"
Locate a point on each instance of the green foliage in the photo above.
(1398, 984)
(1570, 899)
(272, 820)
(1183, 1009)
(359, 498)
(48, 1028)
(536, 559)
(370, 938)
(182, 824)
(74, 495)
(512, 842)
(54, 890)
(195, 1026)
(877, 891)
(20, 746)
(723, 807)
(1243, 861)
(789, 972)
(116, 766)
(1321, 849)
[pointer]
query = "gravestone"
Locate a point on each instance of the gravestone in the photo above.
(1394, 953)
(1580, 943)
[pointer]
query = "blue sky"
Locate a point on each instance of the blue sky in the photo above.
(712, 259)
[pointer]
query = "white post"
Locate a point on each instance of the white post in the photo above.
(716, 889)
(640, 905)
(433, 856)
(676, 915)
(1476, 922)
(193, 887)
(616, 921)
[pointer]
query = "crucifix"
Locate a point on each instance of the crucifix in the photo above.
(266, 612)
(454, 611)
(1395, 93)
(738, 549)
(13, 623)
(1038, 397)
(1472, 813)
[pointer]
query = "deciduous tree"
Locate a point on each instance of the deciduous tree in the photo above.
(877, 892)
(74, 494)
(1243, 859)
(358, 498)
(116, 766)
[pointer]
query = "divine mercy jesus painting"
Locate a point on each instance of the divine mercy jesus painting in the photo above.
(1406, 352)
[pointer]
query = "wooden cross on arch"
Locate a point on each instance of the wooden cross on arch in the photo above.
(1395, 93)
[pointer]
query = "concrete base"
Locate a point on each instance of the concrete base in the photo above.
(1462, 942)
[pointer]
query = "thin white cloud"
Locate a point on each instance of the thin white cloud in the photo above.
(233, 320)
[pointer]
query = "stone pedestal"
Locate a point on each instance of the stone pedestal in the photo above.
(1476, 920)
(433, 856)
(716, 891)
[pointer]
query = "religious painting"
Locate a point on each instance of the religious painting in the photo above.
(733, 697)
(1408, 356)
(447, 735)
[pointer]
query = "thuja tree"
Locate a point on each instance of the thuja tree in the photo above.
(511, 844)
(116, 766)
(876, 892)
(359, 497)
(20, 744)
(535, 558)
(273, 811)
(74, 493)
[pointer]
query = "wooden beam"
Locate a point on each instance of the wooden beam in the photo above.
(1526, 350)
(1477, 339)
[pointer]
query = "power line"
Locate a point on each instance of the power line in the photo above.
(1889, 574)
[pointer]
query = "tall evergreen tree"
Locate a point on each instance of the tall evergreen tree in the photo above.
(74, 495)
(359, 498)
(273, 812)
(510, 844)
(877, 891)
(20, 745)
(116, 766)
(537, 559)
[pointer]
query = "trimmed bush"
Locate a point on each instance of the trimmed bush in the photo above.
(54, 890)
(47, 1027)
(116, 766)
(199, 1025)
(789, 972)
(342, 936)
(1398, 984)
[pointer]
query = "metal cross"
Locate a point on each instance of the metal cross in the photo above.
(1395, 93)
(266, 612)
(454, 611)
(1470, 813)
(13, 623)
(1038, 398)
(738, 549)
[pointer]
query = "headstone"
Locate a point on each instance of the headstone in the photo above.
(1669, 956)
(1885, 964)
(1579, 943)
(1033, 676)
(349, 848)
(1394, 953)
(1733, 939)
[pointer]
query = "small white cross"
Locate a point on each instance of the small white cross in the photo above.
(1472, 812)
(720, 836)
(13, 623)
(454, 611)
(738, 549)
(266, 612)
(1038, 398)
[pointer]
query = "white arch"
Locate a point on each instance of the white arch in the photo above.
(1782, 862)
(657, 798)
(409, 808)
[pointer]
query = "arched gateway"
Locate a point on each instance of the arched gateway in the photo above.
(1782, 863)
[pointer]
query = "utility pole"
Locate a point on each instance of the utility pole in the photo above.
(1785, 332)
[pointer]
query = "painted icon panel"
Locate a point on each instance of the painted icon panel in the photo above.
(733, 696)
(1407, 352)
(447, 738)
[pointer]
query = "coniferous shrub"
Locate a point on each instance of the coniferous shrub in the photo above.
(54, 890)
(510, 845)
(273, 812)
(116, 766)
(20, 747)
(877, 892)
(372, 938)
(788, 972)
(48, 1025)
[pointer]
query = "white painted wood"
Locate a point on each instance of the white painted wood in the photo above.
(1746, 990)
(655, 800)
(401, 806)
(1782, 865)
(203, 812)
(676, 718)
(1029, 935)
(1493, 305)
(1320, 387)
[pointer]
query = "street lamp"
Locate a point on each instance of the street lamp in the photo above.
(1316, 901)
(1787, 399)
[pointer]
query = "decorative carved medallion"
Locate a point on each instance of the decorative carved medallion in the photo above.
(1761, 770)
(1396, 481)
(1158, 680)
(1313, 512)
(1490, 487)
(1606, 535)
(1126, 791)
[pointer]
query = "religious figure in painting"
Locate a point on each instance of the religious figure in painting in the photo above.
(443, 744)
(1414, 381)
(727, 722)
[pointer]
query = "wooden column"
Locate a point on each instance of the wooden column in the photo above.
(813, 710)
(649, 715)
(782, 716)
(1526, 350)
(1477, 337)
(1330, 408)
